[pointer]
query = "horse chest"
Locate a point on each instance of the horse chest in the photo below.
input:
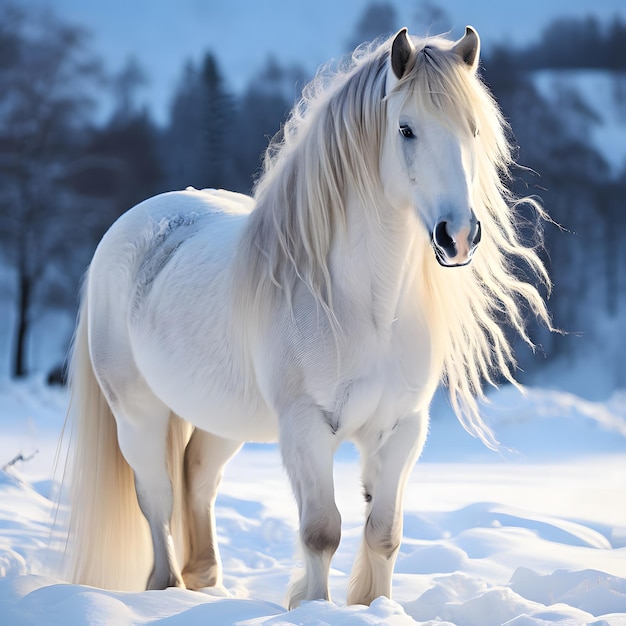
(391, 379)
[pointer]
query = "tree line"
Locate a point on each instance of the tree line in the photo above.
(65, 177)
(578, 43)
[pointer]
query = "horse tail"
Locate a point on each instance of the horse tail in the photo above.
(109, 542)
(109, 539)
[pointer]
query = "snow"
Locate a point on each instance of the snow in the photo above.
(602, 93)
(533, 535)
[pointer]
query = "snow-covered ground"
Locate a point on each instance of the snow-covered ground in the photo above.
(534, 535)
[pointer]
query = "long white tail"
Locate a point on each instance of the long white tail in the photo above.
(109, 540)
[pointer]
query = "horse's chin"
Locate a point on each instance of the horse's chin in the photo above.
(442, 260)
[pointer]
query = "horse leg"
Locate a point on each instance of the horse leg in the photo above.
(142, 425)
(385, 472)
(307, 448)
(205, 458)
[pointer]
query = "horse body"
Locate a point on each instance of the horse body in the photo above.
(313, 313)
(179, 248)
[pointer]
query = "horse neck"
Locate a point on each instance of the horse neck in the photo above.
(371, 257)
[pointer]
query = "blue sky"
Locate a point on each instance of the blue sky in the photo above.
(162, 34)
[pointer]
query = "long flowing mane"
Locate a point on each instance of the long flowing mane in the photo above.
(332, 142)
(333, 135)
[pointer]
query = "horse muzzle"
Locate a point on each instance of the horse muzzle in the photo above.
(456, 249)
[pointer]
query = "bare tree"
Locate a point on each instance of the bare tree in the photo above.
(46, 73)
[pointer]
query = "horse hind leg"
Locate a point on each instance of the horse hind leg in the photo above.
(205, 458)
(142, 430)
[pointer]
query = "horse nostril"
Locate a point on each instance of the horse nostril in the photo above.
(478, 234)
(451, 253)
(442, 238)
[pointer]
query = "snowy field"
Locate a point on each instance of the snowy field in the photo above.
(535, 535)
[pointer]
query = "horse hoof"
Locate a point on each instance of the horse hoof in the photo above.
(200, 579)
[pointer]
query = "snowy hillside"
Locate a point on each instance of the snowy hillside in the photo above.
(601, 104)
(535, 535)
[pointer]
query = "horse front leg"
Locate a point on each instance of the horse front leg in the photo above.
(385, 472)
(307, 448)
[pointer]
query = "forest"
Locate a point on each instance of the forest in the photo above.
(66, 174)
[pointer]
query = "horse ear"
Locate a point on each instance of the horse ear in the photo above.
(402, 50)
(468, 48)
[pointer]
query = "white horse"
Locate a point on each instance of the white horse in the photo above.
(323, 309)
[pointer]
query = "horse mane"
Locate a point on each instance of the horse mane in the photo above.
(333, 139)
(333, 135)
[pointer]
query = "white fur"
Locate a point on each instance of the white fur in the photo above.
(313, 313)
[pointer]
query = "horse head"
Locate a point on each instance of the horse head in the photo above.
(428, 159)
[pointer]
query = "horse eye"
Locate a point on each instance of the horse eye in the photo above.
(407, 131)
